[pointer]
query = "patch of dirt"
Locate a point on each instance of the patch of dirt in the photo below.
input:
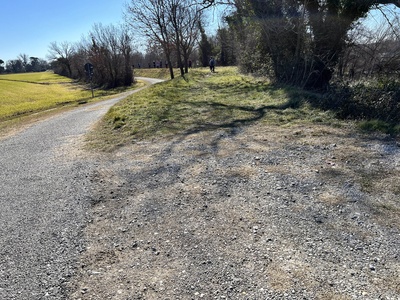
(247, 213)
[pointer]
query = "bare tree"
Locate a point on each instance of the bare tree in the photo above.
(150, 19)
(209, 3)
(62, 54)
(110, 53)
(170, 23)
(175, 11)
(373, 49)
(184, 18)
(79, 59)
(125, 47)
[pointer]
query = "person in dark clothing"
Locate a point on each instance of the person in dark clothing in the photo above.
(212, 64)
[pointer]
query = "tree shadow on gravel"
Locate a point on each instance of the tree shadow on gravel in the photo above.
(184, 202)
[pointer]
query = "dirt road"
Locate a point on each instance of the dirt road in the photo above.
(44, 194)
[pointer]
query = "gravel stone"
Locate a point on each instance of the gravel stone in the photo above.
(243, 214)
(45, 197)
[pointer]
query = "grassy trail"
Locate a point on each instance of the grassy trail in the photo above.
(203, 101)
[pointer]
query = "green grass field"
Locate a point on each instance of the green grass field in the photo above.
(27, 93)
(22, 94)
(203, 101)
(38, 77)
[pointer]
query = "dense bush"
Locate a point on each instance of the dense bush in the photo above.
(377, 100)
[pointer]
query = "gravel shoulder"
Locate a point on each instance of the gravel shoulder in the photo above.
(245, 213)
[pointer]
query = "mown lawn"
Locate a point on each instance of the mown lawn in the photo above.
(37, 77)
(22, 94)
(27, 93)
(203, 101)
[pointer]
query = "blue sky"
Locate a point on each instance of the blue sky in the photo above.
(29, 26)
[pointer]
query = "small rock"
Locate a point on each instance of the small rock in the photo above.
(372, 268)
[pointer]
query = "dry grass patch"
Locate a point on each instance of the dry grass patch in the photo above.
(242, 171)
(332, 198)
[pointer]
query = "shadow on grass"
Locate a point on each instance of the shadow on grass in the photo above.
(256, 114)
(378, 108)
(230, 126)
(227, 105)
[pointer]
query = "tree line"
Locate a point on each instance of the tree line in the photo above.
(107, 48)
(302, 43)
(24, 63)
(170, 29)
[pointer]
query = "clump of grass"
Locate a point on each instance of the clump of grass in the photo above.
(202, 101)
(379, 125)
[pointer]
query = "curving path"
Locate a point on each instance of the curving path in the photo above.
(44, 197)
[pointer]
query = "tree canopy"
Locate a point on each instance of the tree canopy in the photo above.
(302, 39)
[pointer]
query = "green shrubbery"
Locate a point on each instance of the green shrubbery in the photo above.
(375, 102)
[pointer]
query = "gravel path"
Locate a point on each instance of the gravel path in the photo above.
(246, 213)
(255, 212)
(44, 198)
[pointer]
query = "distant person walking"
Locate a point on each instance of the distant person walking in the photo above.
(212, 64)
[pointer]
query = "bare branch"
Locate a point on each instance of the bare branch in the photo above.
(380, 8)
